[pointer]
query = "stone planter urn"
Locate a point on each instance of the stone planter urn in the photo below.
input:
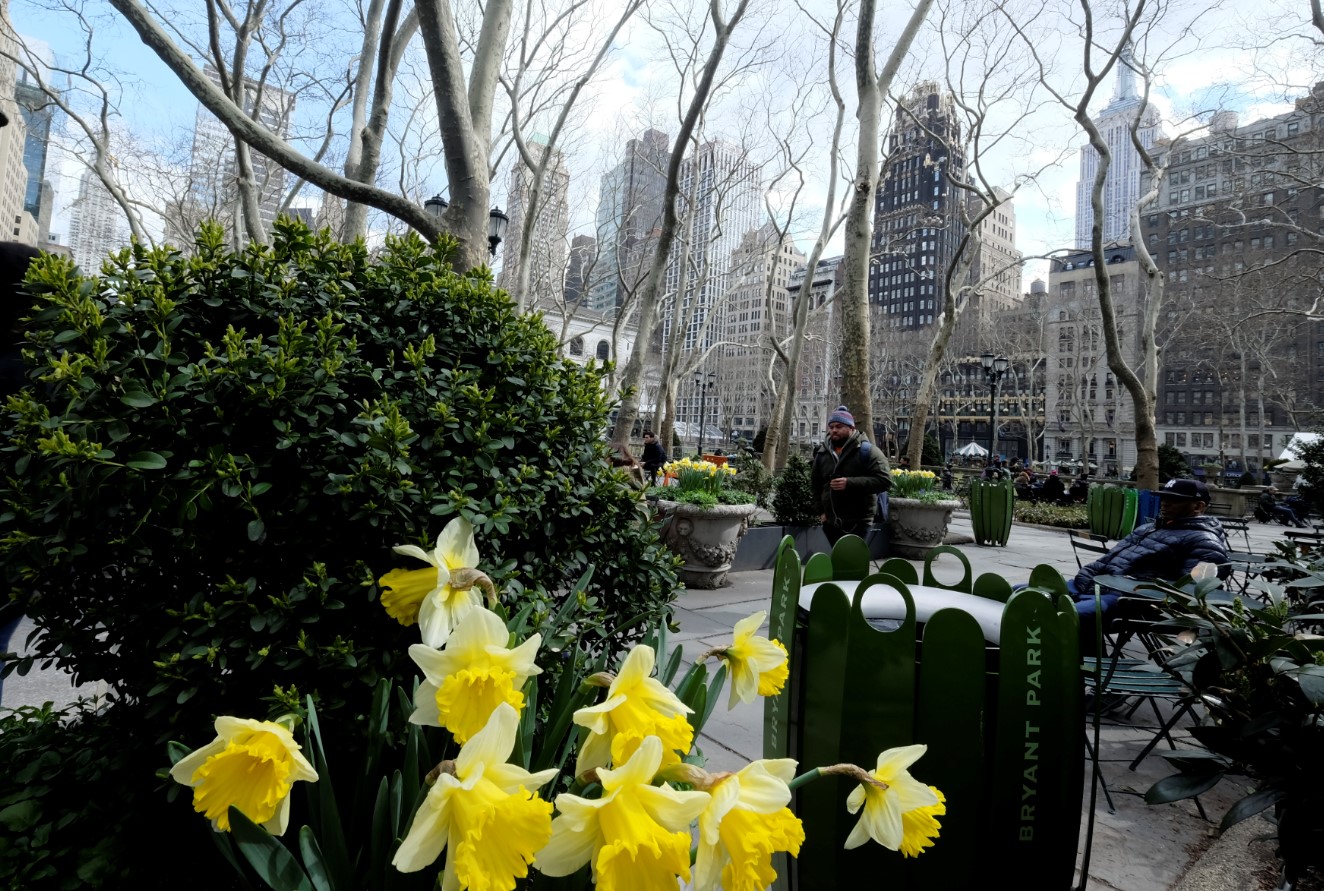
(705, 538)
(916, 526)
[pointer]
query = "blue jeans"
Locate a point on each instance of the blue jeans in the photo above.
(1086, 609)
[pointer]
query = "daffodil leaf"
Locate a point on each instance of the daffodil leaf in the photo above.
(311, 853)
(324, 813)
(268, 857)
(673, 665)
(714, 693)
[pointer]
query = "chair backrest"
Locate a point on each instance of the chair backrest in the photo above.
(1091, 545)
(818, 568)
(1236, 526)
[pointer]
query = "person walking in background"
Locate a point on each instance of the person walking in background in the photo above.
(848, 473)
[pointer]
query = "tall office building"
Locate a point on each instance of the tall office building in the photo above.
(759, 308)
(579, 271)
(1090, 416)
(213, 170)
(97, 225)
(817, 389)
(547, 247)
(629, 220)
(1236, 234)
(918, 222)
(1121, 187)
(719, 202)
(38, 116)
(997, 264)
(19, 225)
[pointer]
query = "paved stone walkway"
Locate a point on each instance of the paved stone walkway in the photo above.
(1141, 847)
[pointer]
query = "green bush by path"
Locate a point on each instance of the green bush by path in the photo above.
(219, 452)
(1071, 516)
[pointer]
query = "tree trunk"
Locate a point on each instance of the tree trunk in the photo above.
(650, 290)
(853, 298)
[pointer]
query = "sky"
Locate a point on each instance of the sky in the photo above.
(1205, 69)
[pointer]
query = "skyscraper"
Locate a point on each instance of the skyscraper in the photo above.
(97, 225)
(38, 115)
(720, 200)
(19, 225)
(629, 217)
(917, 214)
(547, 247)
(213, 170)
(1121, 188)
(759, 307)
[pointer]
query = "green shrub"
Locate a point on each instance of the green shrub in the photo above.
(1073, 516)
(53, 834)
(219, 452)
(793, 501)
(751, 476)
(1171, 463)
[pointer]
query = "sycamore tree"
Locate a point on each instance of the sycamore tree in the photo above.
(699, 49)
(991, 102)
(467, 52)
(1139, 38)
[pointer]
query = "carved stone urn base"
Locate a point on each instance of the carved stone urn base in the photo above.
(705, 538)
(917, 527)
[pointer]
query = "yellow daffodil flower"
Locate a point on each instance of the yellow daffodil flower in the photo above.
(746, 822)
(883, 819)
(919, 827)
(637, 836)
(637, 706)
(464, 683)
(250, 765)
(426, 596)
(485, 811)
(758, 666)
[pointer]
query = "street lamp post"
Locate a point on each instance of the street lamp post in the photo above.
(994, 369)
(703, 382)
(497, 221)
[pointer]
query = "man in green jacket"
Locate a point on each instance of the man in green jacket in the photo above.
(848, 474)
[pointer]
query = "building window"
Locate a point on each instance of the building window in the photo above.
(577, 346)
(604, 350)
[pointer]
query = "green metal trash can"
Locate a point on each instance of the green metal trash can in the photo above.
(1003, 721)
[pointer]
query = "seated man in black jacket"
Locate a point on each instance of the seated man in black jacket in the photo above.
(1169, 548)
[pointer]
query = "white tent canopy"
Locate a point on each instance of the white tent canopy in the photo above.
(973, 450)
(1298, 439)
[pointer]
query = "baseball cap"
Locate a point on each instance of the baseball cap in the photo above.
(1187, 490)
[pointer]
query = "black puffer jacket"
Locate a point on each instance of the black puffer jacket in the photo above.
(1168, 552)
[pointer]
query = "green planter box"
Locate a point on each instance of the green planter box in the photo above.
(1112, 511)
(990, 510)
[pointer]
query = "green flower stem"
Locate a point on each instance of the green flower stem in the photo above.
(804, 779)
